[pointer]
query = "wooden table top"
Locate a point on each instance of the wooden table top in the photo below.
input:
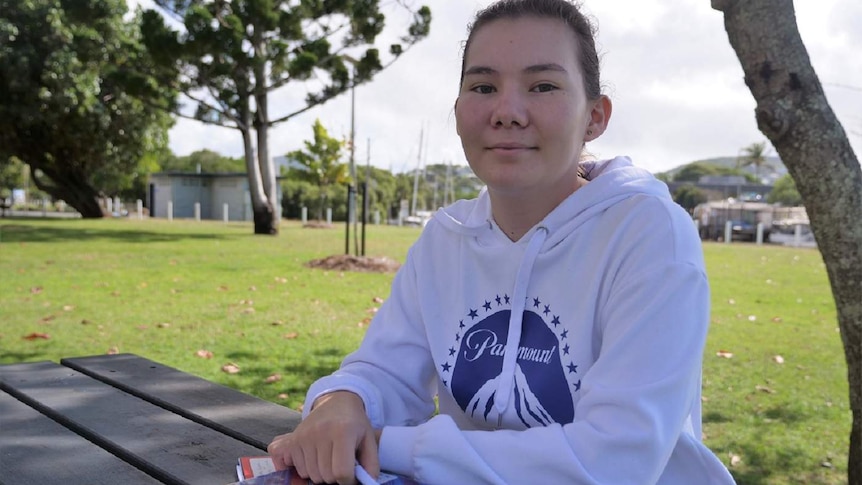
(124, 419)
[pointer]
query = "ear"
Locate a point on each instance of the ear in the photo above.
(600, 115)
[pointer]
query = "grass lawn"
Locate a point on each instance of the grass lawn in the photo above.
(198, 296)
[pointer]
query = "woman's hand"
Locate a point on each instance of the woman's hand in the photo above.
(329, 441)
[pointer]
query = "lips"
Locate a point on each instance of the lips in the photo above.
(511, 146)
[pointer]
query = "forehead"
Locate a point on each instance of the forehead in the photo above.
(524, 39)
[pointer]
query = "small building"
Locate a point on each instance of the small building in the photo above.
(213, 191)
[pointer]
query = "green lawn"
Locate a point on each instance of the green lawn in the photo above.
(166, 290)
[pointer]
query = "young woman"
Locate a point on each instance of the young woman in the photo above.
(559, 318)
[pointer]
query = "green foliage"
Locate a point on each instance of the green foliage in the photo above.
(695, 170)
(784, 192)
(321, 164)
(208, 161)
(79, 102)
(12, 172)
(689, 196)
(243, 49)
(166, 290)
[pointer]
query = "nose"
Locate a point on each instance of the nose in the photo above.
(510, 110)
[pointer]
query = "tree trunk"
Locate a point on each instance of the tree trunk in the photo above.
(262, 212)
(75, 191)
(792, 111)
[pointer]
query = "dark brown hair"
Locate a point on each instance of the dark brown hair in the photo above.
(563, 10)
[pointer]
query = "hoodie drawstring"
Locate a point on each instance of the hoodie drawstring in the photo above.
(516, 319)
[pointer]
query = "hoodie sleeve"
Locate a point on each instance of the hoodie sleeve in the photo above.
(636, 399)
(392, 371)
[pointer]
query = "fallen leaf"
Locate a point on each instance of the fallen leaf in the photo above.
(826, 464)
(776, 319)
(246, 302)
(142, 327)
(279, 279)
(174, 291)
(752, 318)
(735, 460)
(222, 288)
(248, 310)
(48, 318)
(364, 322)
(778, 359)
(765, 389)
(204, 354)
(172, 262)
(37, 335)
(724, 354)
(273, 378)
(113, 350)
(277, 323)
(372, 310)
(283, 396)
(291, 335)
(252, 288)
(115, 293)
(377, 299)
(143, 284)
(731, 301)
(68, 308)
(36, 290)
(163, 325)
(230, 368)
(85, 322)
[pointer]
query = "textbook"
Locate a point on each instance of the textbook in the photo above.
(260, 470)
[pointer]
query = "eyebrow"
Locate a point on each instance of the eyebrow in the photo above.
(536, 68)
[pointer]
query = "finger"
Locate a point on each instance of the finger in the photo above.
(368, 454)
(324, 463)
(343, 462)
(311, 467)
(298, 458)
(278, 452)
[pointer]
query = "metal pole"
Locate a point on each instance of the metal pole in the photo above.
(364, 212)
(347, 226)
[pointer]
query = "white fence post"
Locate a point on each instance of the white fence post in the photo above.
(170, 210)
(225, 212)
(109, 205)
(329, 215)
(376, 218)
(728, 232)
(304, 215)
(759, 233)
(140, 206)
(197, 211)
(797, 235)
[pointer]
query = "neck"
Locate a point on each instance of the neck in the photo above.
(516, 214)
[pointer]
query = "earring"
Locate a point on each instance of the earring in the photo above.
(590, 132)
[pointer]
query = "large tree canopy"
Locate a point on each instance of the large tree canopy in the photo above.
(793, 112)
(76, 100)
(232, 55)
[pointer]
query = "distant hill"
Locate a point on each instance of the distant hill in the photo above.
(769, 175)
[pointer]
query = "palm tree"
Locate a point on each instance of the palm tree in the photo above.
(754, 155)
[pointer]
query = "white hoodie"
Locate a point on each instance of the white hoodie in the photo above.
(596, 380)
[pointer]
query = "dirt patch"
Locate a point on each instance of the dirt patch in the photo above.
(346, 262)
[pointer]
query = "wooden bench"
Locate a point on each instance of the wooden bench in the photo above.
(124, 419)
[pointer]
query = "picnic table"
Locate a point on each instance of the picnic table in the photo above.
(124, 419)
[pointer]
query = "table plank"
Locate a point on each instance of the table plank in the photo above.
(165, 445)
(37, 449)
(246, 418)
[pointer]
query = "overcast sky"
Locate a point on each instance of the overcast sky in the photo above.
(667, 65)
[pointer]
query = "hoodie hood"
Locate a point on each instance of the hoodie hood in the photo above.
(611, 181)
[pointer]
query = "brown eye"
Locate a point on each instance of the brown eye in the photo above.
(482, 89)
(544, 88)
